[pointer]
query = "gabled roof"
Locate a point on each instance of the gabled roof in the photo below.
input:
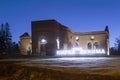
(25, 35)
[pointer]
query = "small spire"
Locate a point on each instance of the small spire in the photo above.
(25, 35)
(107, 29)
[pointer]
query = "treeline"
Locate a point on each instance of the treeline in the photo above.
(7, 46)
(116, 49)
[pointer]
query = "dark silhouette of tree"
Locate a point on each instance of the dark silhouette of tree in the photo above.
(5, 39)
(2, 39)
(113, 51)
(15, 48)
(116, 50)
(8, 37)
(117, 45)
(107, 29)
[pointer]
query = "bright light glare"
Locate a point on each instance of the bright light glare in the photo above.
(80, 51)
(58, 43)
(77, 38)
(43, 41)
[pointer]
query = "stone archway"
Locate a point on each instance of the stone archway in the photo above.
(43, 45)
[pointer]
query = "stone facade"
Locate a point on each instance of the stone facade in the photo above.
(25, 44)
(49, 36)
(98, 40)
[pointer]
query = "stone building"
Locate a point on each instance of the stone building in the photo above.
(25, 44)
(49, 36)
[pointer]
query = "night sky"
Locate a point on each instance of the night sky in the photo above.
(78, 15)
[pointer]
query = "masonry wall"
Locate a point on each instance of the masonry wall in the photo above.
(48, 29)
(25, 46)
(52, 31)
(102, 38)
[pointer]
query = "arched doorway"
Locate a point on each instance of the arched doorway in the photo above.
(43, 45)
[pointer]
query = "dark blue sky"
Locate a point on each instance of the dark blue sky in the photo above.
(78, 15)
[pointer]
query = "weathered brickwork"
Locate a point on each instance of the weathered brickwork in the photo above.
(50, 35)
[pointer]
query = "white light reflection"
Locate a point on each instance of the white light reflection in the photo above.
(58, 43)
(43, 41)
(79, 51)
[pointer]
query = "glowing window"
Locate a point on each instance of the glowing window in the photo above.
(28, 48)
(95, 45)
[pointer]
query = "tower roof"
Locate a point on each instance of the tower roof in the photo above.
(25, 35)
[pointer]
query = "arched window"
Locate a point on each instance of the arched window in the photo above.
(28, 50)
(95, 45)
(77, 44)
(89, 45)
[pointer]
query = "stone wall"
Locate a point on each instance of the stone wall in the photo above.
(57, 36)
(25, 45)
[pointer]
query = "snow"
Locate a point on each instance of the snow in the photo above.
(91, 65)
(79, 62)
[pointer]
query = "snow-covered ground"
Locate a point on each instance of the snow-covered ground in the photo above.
(91, 65)
(79, 62)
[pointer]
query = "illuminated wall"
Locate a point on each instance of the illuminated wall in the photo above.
(97, 40)
(48, 30)
(49, 36)
(25, 44)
